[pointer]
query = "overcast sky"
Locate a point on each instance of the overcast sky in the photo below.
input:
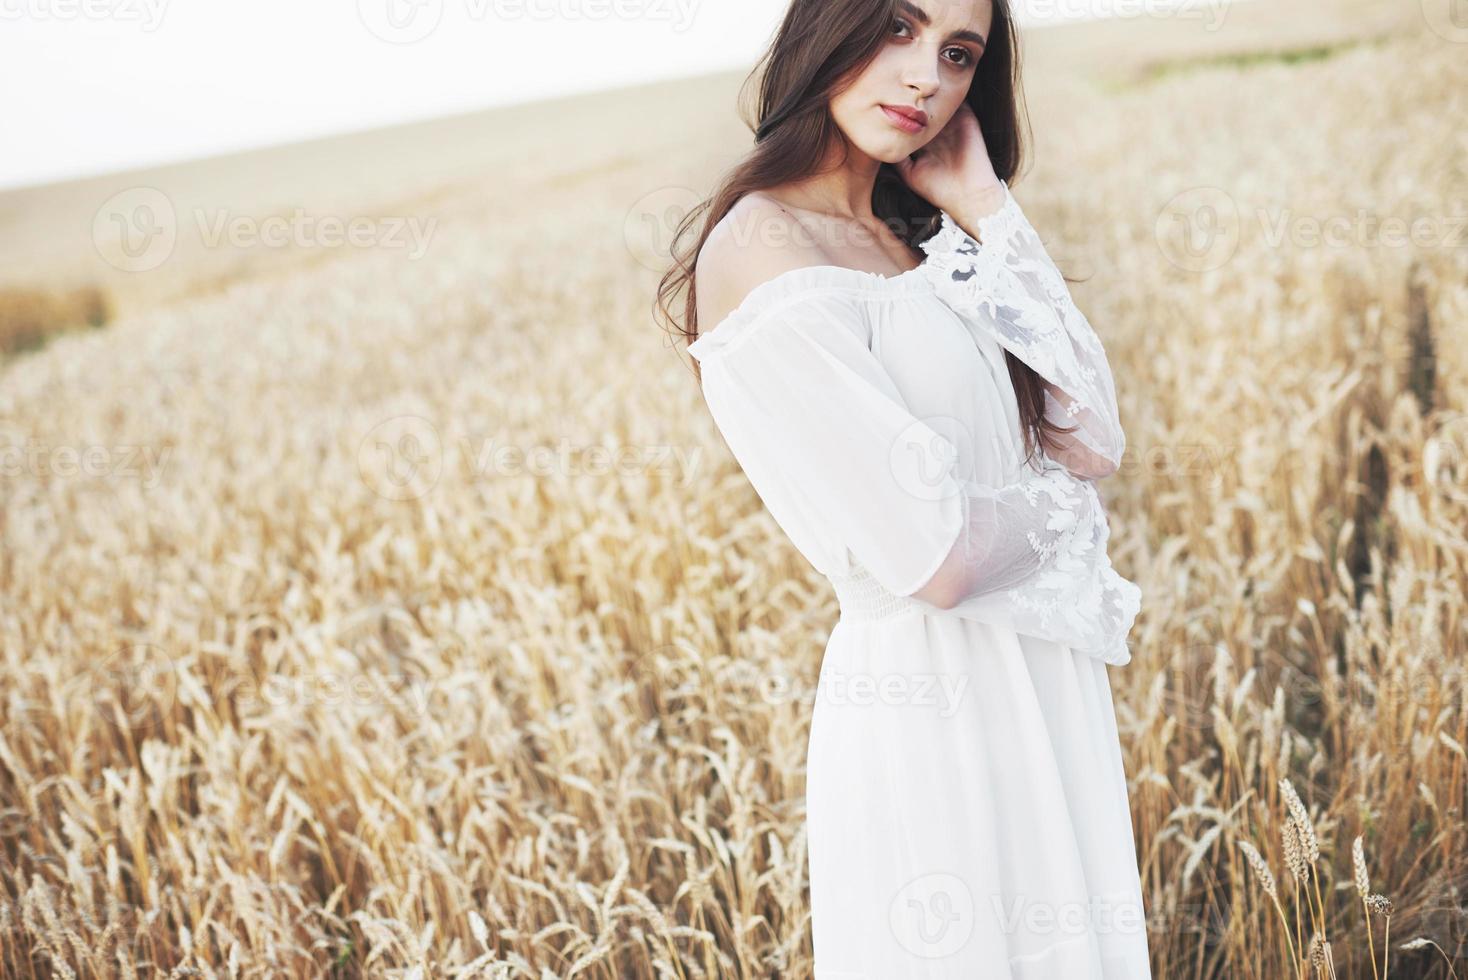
(94, 86)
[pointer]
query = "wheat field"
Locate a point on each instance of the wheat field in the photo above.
(367, 613)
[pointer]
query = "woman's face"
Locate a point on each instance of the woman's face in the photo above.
(926, 64)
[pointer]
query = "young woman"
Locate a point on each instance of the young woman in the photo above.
(928, 435)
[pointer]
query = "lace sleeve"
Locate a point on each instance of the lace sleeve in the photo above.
(1033, 556)
(1006, 284)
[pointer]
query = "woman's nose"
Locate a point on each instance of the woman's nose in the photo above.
(920, 71)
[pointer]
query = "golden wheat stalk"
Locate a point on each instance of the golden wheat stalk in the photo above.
(1266, 881)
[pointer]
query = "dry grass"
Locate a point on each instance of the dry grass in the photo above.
(301, 677)
(28, 317)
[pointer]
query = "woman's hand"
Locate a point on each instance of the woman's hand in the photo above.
(953, 171)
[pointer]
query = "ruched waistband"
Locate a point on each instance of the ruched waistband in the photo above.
(864, 599)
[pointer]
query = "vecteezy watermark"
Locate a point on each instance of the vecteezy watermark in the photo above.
(133, 686)
(31, 457)
(304, 230)
(1180, 459)
(1210, 12)
(400, 21)
(932, 916)
(137, 229)
(1363, 229)
(939, 691)
(1447, 19)
(1189, 693)
(147, 14)
(651, 223)
(925, 460)
(403, 457)
(1200, 228)
(333, 689)
(739, 680)
(409, 21)
(1208, 921)
(766, 229)
(491, 458)
(1098, 914)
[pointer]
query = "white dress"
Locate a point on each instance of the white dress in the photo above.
(966, 802)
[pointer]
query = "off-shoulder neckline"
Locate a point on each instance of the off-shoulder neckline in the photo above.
(812, 279)
(809, 280)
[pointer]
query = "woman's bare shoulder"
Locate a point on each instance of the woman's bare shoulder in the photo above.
(755, 242)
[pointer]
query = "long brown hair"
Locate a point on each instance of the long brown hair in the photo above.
(819, 45)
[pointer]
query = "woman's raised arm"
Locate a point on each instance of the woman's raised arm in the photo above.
(1004, 282)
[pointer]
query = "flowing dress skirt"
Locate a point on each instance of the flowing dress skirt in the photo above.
(967, 809)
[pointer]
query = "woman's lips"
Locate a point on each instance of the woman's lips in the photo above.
(905, 122)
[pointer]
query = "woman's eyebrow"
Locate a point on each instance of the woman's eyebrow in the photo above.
(921, 16)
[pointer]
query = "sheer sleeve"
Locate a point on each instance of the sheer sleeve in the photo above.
(1006, 284)
(829, 445)
(1034, 558)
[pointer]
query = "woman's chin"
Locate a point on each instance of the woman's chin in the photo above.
(890, 149)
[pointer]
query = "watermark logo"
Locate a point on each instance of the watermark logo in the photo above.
(1181, 459)
(932, 916)
(334, 690)
(924, 458)
(489, 458)
(940, 692)
(28, 457)
(1447, 19)
(649, 227)
(1198, 230)
(410, 21)
(1210, 12)
(133, 686)
(400, 21)
(401, 458)
(147, 14)
(1100, 914)
(301, 229)
(1188, 692)
(135, 230)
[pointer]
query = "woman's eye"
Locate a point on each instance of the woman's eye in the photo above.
(898, 25)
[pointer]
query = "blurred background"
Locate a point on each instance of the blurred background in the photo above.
(378, 599)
